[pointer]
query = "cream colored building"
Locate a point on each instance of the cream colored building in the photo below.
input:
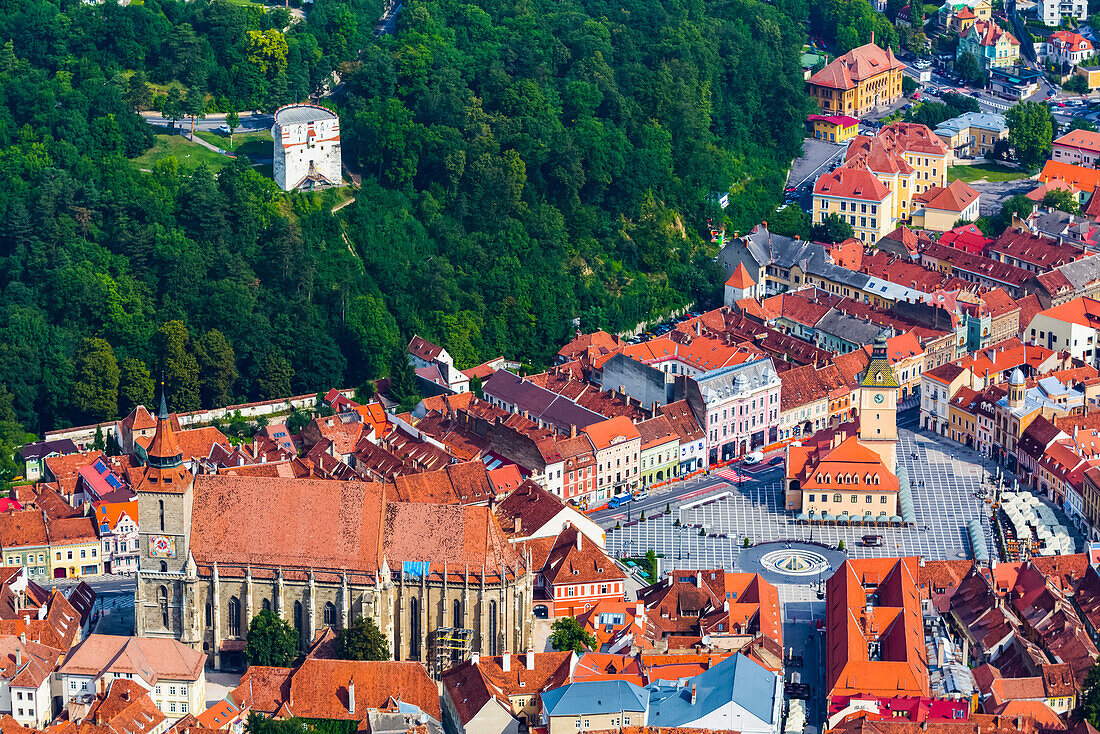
(857, 196)
(941, 208)
(173, 673)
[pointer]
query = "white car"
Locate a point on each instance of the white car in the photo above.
(754, 458)
(223, 129)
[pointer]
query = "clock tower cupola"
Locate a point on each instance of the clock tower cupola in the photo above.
(878, 404)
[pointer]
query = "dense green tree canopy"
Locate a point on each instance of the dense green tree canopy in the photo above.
(523, 164)
(271, 641)
(362, 640)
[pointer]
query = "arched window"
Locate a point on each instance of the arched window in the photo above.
(330, 614)
(298, 616)
(837, 498)
(234, 617)
(456, 613)
(164, 567)
(162, 601)
(161, 504)
(492, 628)
(414, 629)
(266, 604)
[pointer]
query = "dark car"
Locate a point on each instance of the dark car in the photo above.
(872, 541)
(776, 460)
(541, 612)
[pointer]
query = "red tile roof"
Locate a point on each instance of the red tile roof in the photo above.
(319, 689)
(741, 278)
(424, 349)
(894, 623)
(855, 182)
(1083, 179)
(859, 64)
(610, 432)
(473, 684)
(989, 33)
(955, 197)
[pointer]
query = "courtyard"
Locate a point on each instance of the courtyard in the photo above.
(944, 504)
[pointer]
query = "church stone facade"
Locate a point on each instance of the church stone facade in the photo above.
(216, 550)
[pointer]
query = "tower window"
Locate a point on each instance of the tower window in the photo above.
(162, 602)
(161, 504)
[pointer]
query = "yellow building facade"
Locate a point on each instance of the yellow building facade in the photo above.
(834, 128)
(855, 195)
(857, 82)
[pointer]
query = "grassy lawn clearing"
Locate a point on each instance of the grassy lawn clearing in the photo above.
(987, 171)
(189, 155)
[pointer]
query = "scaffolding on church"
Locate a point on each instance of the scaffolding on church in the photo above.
(449, 647)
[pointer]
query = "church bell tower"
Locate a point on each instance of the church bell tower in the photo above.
(164, 530)
(878, 405)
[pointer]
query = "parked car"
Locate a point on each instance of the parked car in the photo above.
(754, 458)
(642, 495)
(776, 460)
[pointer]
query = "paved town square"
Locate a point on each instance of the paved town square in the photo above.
(952, 476)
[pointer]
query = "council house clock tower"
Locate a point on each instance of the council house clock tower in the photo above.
(878, 405)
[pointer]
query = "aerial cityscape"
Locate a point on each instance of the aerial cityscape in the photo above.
(382, 367)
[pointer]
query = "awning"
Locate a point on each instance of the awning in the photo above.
(802, 517)
(895, 519)
(828, 518)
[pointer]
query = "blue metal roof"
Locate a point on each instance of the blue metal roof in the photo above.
(595, 697)
(737, 680)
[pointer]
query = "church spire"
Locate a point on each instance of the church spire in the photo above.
(164, 469)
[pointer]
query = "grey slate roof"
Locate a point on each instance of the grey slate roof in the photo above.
(772, 249)
(595, 697)
(538, 402)
(1083, 272)
(849, 328)
(745, 683)
(738, 378)
(42, 449)
(972, 119)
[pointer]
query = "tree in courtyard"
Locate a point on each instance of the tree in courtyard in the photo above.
(832, 230)
(970, 69)
(1090, 696)
(171, 105)
(232, 121)
(271, 641)
(403, 385)
(362, 640)
(1030, 132)
(567, 634)
(95, 387)
(1063, 200)
(790, 222)
(1080, 123)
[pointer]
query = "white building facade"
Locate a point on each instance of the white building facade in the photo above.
(307, 147)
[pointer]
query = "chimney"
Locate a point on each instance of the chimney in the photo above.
(101, 686)
(23, 637)
(639, 609)
(126, 694)
(506, 661)
(351, 695)
(18, 657)
(699, 579)
(474, 658)
(572, 430)
(693, 694)
(580, 535)
(518, 524)
(529, 663)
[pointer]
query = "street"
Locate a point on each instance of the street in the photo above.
(250, 121)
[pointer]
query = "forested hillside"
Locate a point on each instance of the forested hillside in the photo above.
(523, 163)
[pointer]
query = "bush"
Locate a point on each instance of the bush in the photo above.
(702, 532)
(840, 545)
(668, 508)
(746, 544)
(618, 526)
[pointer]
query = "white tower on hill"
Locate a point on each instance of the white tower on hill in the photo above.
(307, 147)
